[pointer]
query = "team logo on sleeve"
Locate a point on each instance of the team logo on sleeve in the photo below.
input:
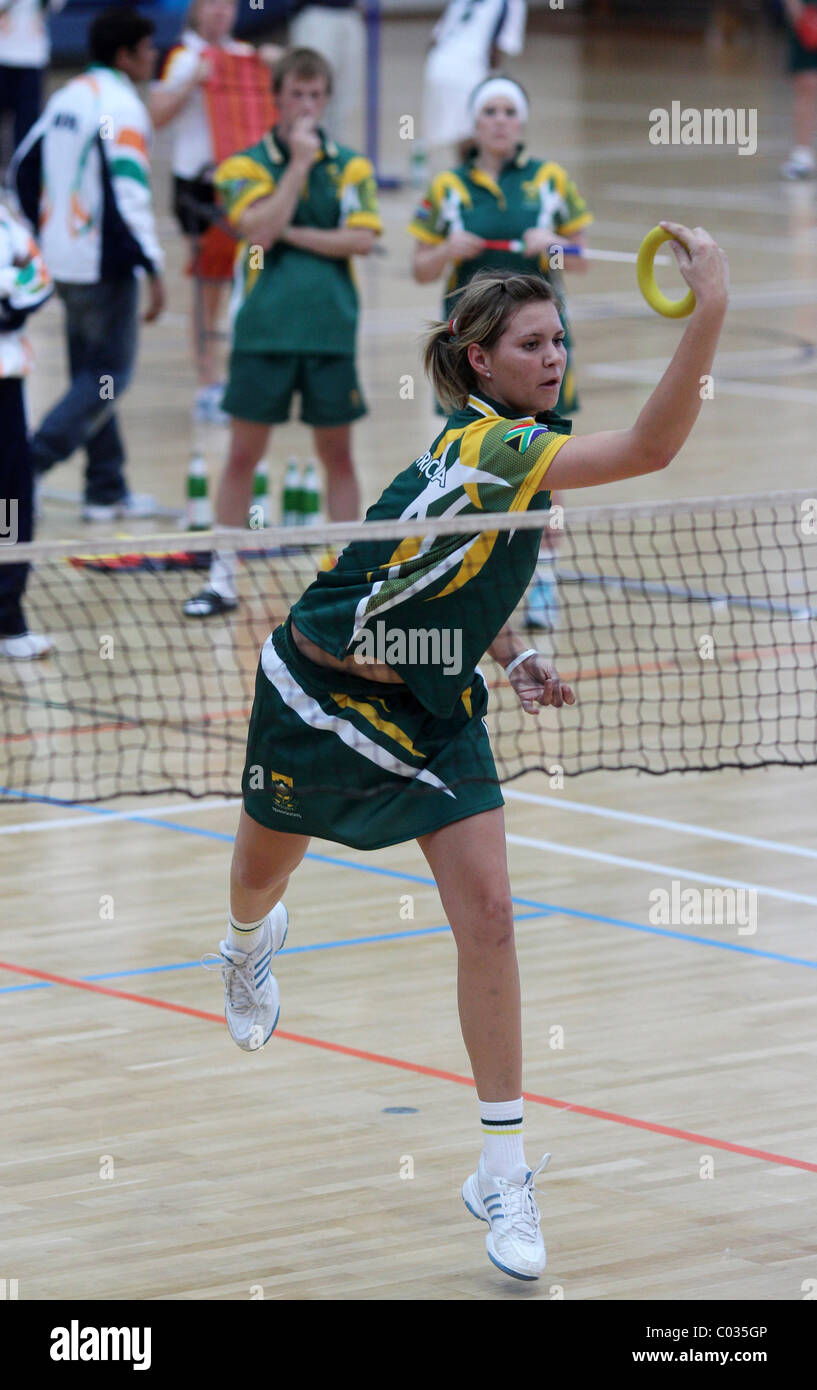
(522, 436)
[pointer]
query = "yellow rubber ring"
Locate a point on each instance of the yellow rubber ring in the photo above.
(645, 270)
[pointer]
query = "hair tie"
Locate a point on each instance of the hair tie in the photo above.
(452, 327)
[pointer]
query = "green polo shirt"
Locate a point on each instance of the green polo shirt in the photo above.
(420, 602)
(289, 300)
(528, 193)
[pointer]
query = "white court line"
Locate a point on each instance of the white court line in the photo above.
(513, 794)
(725, 386)
(679, 827)
(647, 866)
(165, 1062)
(741, 199)
(49, 1039)
(128, 1182)
(568, 850)
(55, 1153)
(100, 819)
(796, 241)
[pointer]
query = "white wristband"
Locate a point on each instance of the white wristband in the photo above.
(517, 661)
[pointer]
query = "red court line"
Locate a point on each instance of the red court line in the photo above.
(689, 1136)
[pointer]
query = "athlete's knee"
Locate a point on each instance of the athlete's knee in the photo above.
(254, 874)
(491, 925)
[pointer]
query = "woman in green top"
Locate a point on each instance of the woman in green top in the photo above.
(500, 194)
(404, 753)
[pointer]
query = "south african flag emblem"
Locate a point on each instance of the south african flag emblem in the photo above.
(522, 436)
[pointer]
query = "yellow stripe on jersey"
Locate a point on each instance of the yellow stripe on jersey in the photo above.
(551, 173)
(449, 182)
(358, 169)
(422, 234)
(483, 180)
(237, 170)
(364, 219)
(531, 485)
(577, 225)
(477, 555)
(369, 713)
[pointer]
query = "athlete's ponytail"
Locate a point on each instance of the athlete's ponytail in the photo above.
(483, 312)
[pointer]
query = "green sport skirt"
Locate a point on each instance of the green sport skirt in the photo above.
(357, 761)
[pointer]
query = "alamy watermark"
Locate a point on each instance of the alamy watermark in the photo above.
(706, 125)
(9, 520)
(704, 907)
(410, 646)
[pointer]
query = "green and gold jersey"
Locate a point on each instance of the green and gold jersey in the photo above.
(287, 299)
(431, 606)
(528, 193)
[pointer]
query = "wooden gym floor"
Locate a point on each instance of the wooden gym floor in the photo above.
(143, 1156)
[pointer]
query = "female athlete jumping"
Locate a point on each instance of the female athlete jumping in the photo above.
(368, 747)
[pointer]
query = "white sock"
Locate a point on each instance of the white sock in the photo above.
(503, 1145)
(222, 573)
(245, 936)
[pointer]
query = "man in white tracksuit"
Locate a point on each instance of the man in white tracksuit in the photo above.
(82, 180)
(466, 40)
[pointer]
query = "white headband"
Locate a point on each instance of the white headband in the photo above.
(499, 87)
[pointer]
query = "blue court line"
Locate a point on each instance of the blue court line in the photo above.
(287, 951)
(544, 908)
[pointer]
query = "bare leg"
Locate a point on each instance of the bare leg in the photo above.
(211, 292)
(248, 440)
(805, 107)
(262, 863)
(333, 445)
(469, 862)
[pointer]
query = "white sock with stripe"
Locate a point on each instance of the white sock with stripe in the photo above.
(223, 573)
(244, 936)
(503, 1144)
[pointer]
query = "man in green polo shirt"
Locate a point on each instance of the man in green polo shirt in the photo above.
(303, 206)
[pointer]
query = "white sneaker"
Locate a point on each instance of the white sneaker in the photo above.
(29, 646)
(252, 1000)
(514, 1242)
(207, 405)
(799, 165)
(135, 505)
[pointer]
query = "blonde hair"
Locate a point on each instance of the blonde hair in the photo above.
(191, 20)
(484, 310)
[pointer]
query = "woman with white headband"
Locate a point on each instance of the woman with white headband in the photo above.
(500, 194)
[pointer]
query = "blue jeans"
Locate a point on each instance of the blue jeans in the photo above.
(21, 94)
(102, 324)
(15, 502)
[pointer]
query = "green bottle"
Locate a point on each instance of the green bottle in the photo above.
(311, 496)
(291, 499)
(199, 514)
(258, 516)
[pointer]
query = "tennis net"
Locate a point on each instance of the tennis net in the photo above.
(687, 629)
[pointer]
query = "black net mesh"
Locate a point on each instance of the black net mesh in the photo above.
(688, 632)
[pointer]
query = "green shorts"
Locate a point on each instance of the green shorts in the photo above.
(261, 386)
(357, 761)
(801, 59)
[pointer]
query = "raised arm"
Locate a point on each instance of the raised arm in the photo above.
(671, 411)
(264, 220)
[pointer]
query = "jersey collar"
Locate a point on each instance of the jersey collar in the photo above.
(483, 407)
(484, 180)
